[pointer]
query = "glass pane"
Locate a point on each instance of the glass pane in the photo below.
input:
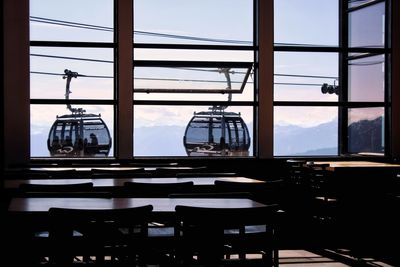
(305, 131)
(193, 83)
(193, 55)
(300, 76)
(366, 130)
(94, 66)
(306, 22)
(367, 79)
(56, 133)
(221, 22)
(367, 26)
(75, 20)
(193, 131)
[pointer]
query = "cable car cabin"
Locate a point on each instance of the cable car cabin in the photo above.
(212, 133)
(83, 135)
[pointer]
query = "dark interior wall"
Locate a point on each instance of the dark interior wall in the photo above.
(16, 123)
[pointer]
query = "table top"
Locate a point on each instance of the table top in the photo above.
(352, 165)
(35, 205)
(109, 182)
(112, 168)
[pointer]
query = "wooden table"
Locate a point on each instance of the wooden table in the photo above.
(356, 165)
(360, 176)
(34, 211)
(115, 182)
(111, 168)
(160, 205)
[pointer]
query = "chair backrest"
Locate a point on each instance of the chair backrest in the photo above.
(111, 234)
(207, 232)
(54, 173)
(138, 189)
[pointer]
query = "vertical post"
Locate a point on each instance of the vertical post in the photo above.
(395, 97)
(124, 72)
(16, 82)
(266, 78)
(343, 112)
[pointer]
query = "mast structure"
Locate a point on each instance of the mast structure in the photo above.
(69, 75)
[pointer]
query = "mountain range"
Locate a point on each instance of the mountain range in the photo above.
(289, 140)
(168, 140)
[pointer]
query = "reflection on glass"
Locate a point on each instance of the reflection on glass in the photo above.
(57, 132)
(95, 68)
(300, 76)
(222, 22)
(305, 131)
(193, 131)
(356, 3)
(367, 26)
(306, 22)
(366, 130)
(79, 21)
(367, 79)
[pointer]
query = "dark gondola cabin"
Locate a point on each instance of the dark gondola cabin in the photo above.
(79, 135)
(217, 133)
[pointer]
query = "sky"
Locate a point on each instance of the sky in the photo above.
(313, 22)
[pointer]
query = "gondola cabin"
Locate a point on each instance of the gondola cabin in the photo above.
(82, 135)
(216, 133)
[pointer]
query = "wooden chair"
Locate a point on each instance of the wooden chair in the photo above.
(161, 231)
(210, 236)
(54, 173)
(114, 236)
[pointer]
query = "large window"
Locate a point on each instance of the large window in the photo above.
(187, 68)
(72, 78)
(306, 58)
(366, 69)
(196, 88)
(331, 94)
(194, 91)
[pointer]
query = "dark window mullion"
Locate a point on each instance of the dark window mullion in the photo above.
(72, 44)
(388, 74)
(194, 47)
(343, 77)
(193, 103)
(198, 64)
(339, 104)
(73, 101)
